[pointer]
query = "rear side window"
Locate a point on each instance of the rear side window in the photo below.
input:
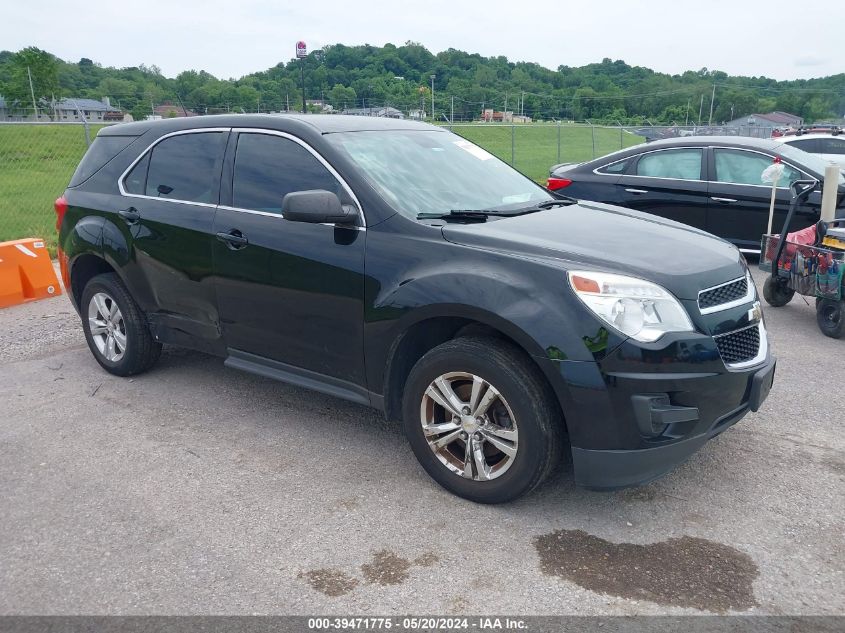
(807, 144)
(832, 145)
(102, 150)
(268, 167)
(615, 168)
(182, 167)
(681, 164)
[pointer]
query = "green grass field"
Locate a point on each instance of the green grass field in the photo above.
(535, 146)
(37, 161)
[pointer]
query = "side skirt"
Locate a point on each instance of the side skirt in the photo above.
(283, 372)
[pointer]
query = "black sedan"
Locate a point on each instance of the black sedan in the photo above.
(712, 183)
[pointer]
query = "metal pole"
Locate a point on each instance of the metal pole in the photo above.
(593, 133)
(513, 131)
(452, 115)
(558, 140)
(302, 80)
(432, 98)
(712, 99)
(32, 92)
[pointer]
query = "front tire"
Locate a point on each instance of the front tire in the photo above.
(776, 293)
(481, 419)
(115, 328)
(830, 315)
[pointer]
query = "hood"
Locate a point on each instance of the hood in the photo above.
(602, 237)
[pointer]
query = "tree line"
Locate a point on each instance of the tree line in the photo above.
(401, 76)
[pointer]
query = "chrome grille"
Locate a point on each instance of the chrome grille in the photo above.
(732, 291)
(739, 346)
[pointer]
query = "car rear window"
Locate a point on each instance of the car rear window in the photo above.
(102, 150)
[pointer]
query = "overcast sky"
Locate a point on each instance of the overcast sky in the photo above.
(231, 38)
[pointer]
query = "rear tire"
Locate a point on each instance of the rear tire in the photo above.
(115, 328)
(830, 315)
(502, 431)
(776, 293)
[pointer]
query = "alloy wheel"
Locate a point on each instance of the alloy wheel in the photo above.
(469, 426)
(108, 329)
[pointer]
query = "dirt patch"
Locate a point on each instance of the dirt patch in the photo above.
(332, 582)
(683, 572)
(387, 568)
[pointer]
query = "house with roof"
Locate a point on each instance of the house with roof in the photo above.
(387, 111)
(93, 111)
(169, 110)
(769, 121)
(68, 110)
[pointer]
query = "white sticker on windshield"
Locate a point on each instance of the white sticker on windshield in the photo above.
(475, 150)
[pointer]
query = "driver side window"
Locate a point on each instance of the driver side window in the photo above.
(267, 167)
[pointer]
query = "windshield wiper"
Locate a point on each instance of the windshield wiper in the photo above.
(477, 215)
(564, 201)
(481, 215)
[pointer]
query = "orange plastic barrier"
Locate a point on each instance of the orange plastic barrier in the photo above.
(26, 272)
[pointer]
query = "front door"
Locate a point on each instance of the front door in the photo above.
(740, 200)
(291, 292)
(668, 183)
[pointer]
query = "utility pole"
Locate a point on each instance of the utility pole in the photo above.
(506, 105)
(687, 121)
(712, 99)
(432, 97)
(32, 92)
(700, 108)
(522, 104)
(452, 113)
(302, 80)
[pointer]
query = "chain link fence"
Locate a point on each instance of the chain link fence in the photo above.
(38, 159)
(36, 163)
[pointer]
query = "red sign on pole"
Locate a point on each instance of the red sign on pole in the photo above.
(301, 49)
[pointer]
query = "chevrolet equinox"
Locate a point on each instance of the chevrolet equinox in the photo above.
(399, 266)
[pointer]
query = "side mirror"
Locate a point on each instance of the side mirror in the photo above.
(317, 206)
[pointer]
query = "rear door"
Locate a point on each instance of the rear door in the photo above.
(740, 200)
(169, 199)
(291, 292)
(669, 183)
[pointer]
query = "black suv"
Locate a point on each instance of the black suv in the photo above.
(399, 266)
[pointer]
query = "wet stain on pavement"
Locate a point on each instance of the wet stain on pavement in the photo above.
(426, 560)
(835, 465)
(683, 572)
(387, 568)
(332, 582)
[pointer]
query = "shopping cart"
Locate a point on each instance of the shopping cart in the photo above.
(812, 269)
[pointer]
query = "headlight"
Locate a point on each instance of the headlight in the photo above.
(635, 307)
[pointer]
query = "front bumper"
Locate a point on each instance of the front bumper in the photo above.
(636, 417)
(606, 470)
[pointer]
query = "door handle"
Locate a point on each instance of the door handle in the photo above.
(131, 215)
(636, 190)
(234, 239)
(725, 200)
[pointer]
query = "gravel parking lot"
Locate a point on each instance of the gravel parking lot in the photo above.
(199, 489)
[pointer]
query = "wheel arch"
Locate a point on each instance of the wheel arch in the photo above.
(83, 268)
(434, 325)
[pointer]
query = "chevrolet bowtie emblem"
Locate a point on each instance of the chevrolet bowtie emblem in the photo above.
(755, 314)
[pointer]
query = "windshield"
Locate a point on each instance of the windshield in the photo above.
(435, 172)
(810, 161)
